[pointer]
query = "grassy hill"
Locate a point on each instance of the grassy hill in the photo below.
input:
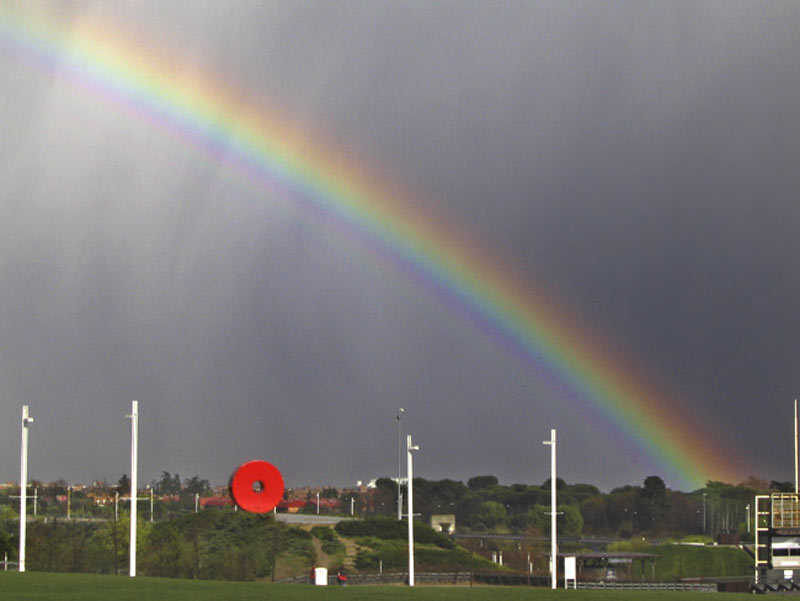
(683, 561)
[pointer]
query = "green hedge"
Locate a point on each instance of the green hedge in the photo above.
(391, 529)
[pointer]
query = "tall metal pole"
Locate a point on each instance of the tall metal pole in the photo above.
(553, 530)
(747, 509)
(796, 490)
(134, 416)
(400, 412)
(410, 477)
(23, 485)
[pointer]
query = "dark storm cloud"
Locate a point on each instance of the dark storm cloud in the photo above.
(637, 159)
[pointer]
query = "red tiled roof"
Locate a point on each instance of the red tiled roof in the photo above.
(215, 501)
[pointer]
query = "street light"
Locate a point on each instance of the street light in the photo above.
(410, 477)
(747, 509)
(553, 540)
(27, 420)
(400, 412)
(134, 417)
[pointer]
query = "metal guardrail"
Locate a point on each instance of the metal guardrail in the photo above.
(467, 578)
(561, 539)
(705, 587)
(394, 578)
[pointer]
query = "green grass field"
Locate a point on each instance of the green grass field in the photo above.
(37, 586)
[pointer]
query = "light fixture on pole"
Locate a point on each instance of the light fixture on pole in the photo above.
(410, 478)
(27, 420)
(747, 509)
(553, 530)
(134, 417)
(400, 412)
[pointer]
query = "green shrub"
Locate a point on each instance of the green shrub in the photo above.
(323, 533)
(391, 529)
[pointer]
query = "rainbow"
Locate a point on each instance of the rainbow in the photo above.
(473, 281)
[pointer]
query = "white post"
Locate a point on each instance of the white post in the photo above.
(317, 503)
(196, 502)
(23, 485)
(553, 513)
(134, 416)
(352, 505)
(35, 502)
(400, 412)
(796, 484)
(410, 477)
(747, 509)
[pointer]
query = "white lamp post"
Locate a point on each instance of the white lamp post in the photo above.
(747, 509)
(796, 468)
(27, 420)
(134, 417)
(400, 412)
(553, 530)
(410, 477)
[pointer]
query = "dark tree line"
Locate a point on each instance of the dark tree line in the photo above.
(483, 504)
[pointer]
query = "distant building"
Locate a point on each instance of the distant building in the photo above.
(217, 501)
(291, 506)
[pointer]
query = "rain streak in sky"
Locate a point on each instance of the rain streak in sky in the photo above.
(634, 162)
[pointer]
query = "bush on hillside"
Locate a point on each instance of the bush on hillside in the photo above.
(390, 529)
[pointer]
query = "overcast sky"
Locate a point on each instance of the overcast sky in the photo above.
(637, 160)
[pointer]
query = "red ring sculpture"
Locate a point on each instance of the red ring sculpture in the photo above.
(257, 486)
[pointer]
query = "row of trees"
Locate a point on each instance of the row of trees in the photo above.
(171, 496)
(482, 504)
